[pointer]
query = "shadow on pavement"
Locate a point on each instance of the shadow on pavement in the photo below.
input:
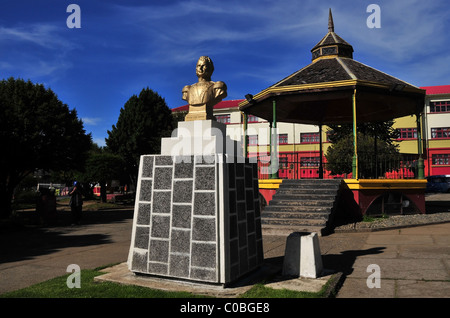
(26, 238)
(344, 261)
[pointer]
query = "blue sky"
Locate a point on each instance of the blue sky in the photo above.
(124, 46)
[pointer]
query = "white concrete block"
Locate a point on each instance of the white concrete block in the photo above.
(200, 137)
(310, 258)
(302, 255)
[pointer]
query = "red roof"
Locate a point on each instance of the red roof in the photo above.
(436, 90)
(223, 104)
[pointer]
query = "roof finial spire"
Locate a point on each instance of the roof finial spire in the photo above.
(330, 22)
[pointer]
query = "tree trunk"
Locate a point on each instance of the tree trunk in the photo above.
(6, 196)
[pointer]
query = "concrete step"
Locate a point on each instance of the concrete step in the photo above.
(308, 182)
(296, 222)
(311, 181)
(300, 205)
(296, 202)
(297, 208)
(297, 215)
(303, 191)
(285, 230)
(304, 196)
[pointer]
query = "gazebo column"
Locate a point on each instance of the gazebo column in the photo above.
(355, 143)
(320, 153)
(273, 143)
(245, 137)
(420, 163)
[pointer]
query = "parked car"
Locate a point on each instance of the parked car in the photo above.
(439, 183)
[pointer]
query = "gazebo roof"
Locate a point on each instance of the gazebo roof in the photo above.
(322, 92)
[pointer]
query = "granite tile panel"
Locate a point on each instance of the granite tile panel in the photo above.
(141, 237)
(204, 229)
(163, 178)
(240, 189)
(162, 201)
(146, 190)
(180, 241)
(143, 217)
(179, 266)
(157, 268)
(203, 255)
(160, 226)
(249, 200)
(241, 211)
(163, 161)
(205, 178)
(184, 170)
(159, 251)
(208, 275)
(182, 191)
(181, 216)
(147, 167)
(205, 203)
(140, 262)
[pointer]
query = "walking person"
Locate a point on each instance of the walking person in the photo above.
(76, 203)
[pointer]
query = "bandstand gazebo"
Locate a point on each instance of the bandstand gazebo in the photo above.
(336, 89)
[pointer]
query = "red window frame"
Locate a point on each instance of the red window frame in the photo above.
(440, 159)
(224, 119)
(309, 138)
(282, 139)
(252, 119)
(440, 133)
(407, 133)
(440, 107)
(253, 140)
(309, 162)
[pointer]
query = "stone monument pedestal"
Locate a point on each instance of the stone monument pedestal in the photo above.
(197, 213)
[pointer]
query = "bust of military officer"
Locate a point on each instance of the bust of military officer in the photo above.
(203, 95)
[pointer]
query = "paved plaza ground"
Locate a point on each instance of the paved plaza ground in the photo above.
(413, 261)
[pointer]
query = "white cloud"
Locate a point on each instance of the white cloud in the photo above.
(36, 51)
(409, 29)
(91, 121)
(187, 29)
(42, 35)
(99, 141)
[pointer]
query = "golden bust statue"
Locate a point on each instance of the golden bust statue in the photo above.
(203, 95)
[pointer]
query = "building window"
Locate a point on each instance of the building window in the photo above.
(440, 159)
(283, 163)
(306, 138)
(440, 107)
(253, 140)
(309, 162)
(407, 133)
(443, 133)
(225, 119)
(252, 119)
(282, 139)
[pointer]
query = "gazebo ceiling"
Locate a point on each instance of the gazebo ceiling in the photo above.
(322, 92)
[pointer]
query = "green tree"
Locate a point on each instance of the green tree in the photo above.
(142, 122)
(37, 131)
(371, 164)
(381, 131)
(101, 167)
(376, 150)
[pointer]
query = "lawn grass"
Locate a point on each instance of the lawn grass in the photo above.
(89, 288)
(261, 291)
(57, 288)
(374, 218)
